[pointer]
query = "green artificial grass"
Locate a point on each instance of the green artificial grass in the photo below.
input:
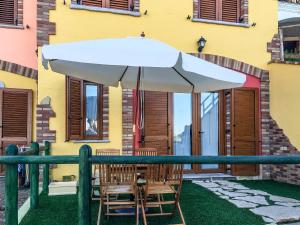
(273, 187)
(199, 206)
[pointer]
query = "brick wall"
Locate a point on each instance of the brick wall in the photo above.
(44, 26)
(274, 48)
(105, 122)
(43, 132)
(127, 121)
(281, 145)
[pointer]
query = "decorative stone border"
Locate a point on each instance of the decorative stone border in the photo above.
(20, 11)
(43, 114)
(244, 10)
(281, 145)
(274, 47)
(18, 69)
(44, 26)
(127, 121)
(105, 122)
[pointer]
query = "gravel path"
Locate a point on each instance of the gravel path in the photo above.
(23, 195)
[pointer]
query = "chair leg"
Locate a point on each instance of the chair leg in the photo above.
(137, 209)
(143, 209)
(180, 213)
(99, 212)
(159, 202)
(107, 207)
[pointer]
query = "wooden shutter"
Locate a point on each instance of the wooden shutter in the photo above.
(156, 121)
(74, 109)
(15, 118)
(230, 10)
(208, 9)
(244, 128)
(8, 11)
(119, 4)
(97, 3)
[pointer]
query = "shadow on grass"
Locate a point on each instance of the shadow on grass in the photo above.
(199, 206)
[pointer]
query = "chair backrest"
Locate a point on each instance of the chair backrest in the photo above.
(145, 152)
(174, 174)
(107, 152)
(155, 173)
(117, 174)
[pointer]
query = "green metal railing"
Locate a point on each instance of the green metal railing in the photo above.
(85, 161)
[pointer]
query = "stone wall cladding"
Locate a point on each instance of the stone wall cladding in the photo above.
(281, 145)
(127, 121)
(18, 69)
(43, 132)
(44, 26)
(244, 10)
(274, 48)
(105, 123)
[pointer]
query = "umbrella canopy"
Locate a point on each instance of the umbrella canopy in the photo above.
(153, 65)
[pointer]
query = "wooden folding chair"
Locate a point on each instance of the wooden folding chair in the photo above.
(162, 180)
(95, 183)
(118, 180)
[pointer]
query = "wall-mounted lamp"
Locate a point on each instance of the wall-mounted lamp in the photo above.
(201, 43)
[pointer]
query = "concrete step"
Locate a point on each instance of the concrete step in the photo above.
(209, 176)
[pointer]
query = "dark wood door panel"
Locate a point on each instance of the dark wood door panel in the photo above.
(156, 134)
(245, 128)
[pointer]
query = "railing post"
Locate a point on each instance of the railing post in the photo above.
(34, 179)
(11, 189)
(46, 179)
(84, 192)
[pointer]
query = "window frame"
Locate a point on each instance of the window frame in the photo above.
(100, 111)
(242, 14)
(106, 5)
(17, 17)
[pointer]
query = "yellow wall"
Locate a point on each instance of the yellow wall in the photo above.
(12, 80)
(165, 21)
(284, 94)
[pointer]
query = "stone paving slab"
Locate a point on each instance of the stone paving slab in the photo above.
(272, 208)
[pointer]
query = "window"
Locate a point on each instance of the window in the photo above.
(84, 110)
(112, 4)
(8, 12)
(221, 10)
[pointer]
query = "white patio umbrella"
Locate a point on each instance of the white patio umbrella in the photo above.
(139, 62)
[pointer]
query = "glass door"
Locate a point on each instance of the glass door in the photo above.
(209, 127)
(182, 126)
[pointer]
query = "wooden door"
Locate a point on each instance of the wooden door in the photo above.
(15, 118)
(245, 128)
(156, 121)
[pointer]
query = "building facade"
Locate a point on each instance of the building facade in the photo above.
(18, 72)
(244, 121)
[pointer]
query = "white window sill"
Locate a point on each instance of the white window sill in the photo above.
(221, 22)
(9, 26)
(99, 9)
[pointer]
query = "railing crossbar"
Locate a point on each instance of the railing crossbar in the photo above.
(68, 159)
